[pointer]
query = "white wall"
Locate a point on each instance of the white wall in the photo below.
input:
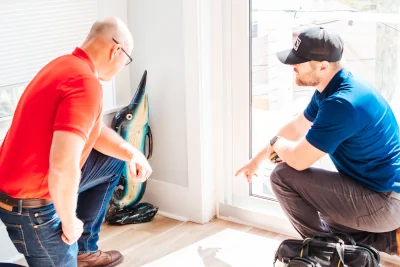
(8, 253)
(172, 42)
(159, 48)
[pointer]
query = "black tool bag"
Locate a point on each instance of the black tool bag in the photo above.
(327, 250)
(140, 213)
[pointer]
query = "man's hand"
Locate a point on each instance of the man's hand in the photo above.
(139, 167)
(112, 144)
(253, 166)
(72, 231)
(250, 169)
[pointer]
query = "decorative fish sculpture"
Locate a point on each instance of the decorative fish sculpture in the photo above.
(131, 122)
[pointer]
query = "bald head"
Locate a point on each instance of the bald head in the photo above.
(112, 27)
(109, 45)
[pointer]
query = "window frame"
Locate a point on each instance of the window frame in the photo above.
(235, 200)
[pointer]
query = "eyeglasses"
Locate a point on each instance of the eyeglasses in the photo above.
(129, 57)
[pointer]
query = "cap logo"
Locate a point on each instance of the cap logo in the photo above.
(297, 44)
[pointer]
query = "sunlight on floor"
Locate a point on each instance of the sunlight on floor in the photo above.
(226, 248)
(166, 242)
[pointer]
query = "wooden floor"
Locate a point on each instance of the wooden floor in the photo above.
(166, 242)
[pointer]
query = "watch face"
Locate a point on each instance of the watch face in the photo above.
(273, 140)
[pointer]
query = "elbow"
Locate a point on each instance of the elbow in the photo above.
(62, 175)
(299, 161)
(298, 165)
(63, 182)
(300, 168)
(54, 174)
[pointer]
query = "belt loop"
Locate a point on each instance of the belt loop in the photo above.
(20, 206)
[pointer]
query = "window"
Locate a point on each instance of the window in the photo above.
(371, 50)
(33, 33)
(264, 93)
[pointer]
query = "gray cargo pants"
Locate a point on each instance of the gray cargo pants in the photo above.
(317, 201)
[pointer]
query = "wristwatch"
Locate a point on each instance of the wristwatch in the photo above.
(274, 158)
(273, 140)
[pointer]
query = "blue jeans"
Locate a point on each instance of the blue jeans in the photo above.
(36, 233)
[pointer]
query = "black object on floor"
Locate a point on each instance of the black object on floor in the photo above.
(327, 250)
(140, 213)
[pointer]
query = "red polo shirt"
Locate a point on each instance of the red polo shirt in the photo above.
(65, 95)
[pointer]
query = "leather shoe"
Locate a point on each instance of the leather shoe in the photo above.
(100, 259)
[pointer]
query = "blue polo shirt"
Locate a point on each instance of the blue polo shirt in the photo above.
(355, 125)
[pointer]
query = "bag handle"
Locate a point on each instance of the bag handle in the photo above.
(338, 256)
(338, 237)
(305, 248)
(328, 238)
(348, 240)
(375, 254)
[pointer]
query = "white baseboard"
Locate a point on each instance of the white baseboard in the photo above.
(274, 224)
(173, 216)
(173, 200)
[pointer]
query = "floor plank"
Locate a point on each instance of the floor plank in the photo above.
(127, 236)
(167, 242)
(184, 236)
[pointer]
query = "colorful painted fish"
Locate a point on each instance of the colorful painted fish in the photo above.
(131, 122)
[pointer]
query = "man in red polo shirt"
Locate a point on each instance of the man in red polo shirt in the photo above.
(58, 163)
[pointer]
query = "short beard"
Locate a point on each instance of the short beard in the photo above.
(308, 80)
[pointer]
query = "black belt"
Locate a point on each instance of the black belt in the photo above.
(23, 203)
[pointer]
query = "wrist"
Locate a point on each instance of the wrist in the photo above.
(129, 151)
(273, 141)
(259, 158)
(68, 220)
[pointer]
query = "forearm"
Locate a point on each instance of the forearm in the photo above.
(63, 188)
(111, 144)
(288, 131)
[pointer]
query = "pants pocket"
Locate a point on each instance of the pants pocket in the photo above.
(16, 234)
(43, 216)
(46, 224)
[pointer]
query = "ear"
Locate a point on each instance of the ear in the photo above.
(324, 66)
(114, 52)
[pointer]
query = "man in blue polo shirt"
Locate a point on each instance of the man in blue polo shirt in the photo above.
(348, 119)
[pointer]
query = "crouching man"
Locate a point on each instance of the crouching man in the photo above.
(348, 119)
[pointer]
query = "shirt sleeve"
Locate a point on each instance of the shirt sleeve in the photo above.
(335, 122)
(79, 106)
(312, 109)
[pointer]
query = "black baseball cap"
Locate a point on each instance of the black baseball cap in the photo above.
(316, 44)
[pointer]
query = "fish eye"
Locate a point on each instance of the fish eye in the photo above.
(129, 116)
